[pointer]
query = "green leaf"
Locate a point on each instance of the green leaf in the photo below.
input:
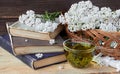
(51, 16)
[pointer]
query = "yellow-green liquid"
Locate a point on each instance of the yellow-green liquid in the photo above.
(79, 59)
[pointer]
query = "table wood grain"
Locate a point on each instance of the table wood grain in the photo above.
(11, 65)
(13, 8)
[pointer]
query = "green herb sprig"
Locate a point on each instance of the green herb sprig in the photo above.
(51, 16)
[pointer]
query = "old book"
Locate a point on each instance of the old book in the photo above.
(18, 29)
(30, 59)
(23, 45)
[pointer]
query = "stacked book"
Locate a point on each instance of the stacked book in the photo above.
(34, 46)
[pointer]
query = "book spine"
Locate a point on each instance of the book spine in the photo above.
(5, 44)
(9, 39)
(25, 58)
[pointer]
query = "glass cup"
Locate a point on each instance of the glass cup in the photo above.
(79, 54)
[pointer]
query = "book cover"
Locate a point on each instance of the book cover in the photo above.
(31, 59)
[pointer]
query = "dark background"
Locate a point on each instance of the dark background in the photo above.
(11, 9)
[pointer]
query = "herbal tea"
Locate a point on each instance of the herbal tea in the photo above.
(78, 54)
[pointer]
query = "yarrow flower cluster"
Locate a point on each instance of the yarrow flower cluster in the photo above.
(37, 22)
(52, 41)
(39, 55)
(84, 15)
(107, 61)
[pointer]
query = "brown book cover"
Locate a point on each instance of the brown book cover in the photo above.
(22, 45)
(22, 42)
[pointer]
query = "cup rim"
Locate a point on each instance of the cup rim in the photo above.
(70, 49)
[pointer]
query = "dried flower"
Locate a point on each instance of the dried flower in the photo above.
(40, 23)
(84, 15)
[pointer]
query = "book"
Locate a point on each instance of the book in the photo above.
(18, 29)
(20, 46)
(30, 59)
(23, 45)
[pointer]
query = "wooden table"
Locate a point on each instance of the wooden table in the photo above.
(11, 65)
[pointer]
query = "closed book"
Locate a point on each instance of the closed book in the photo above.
(22, 45)
(31, 59)
(19, 29)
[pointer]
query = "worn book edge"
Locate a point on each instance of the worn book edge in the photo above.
(37, 49)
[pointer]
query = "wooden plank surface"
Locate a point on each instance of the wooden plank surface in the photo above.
(11, 65)
(13, 8)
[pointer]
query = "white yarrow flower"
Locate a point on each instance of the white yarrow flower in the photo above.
(117, 12)
(30, 12)
(37, 23)
(91, 16)
(52, 41)
(21, 19)
(62, 19)
(39, 55)
(107, 61)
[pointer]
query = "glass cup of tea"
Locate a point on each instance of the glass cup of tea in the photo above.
(79, 54)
